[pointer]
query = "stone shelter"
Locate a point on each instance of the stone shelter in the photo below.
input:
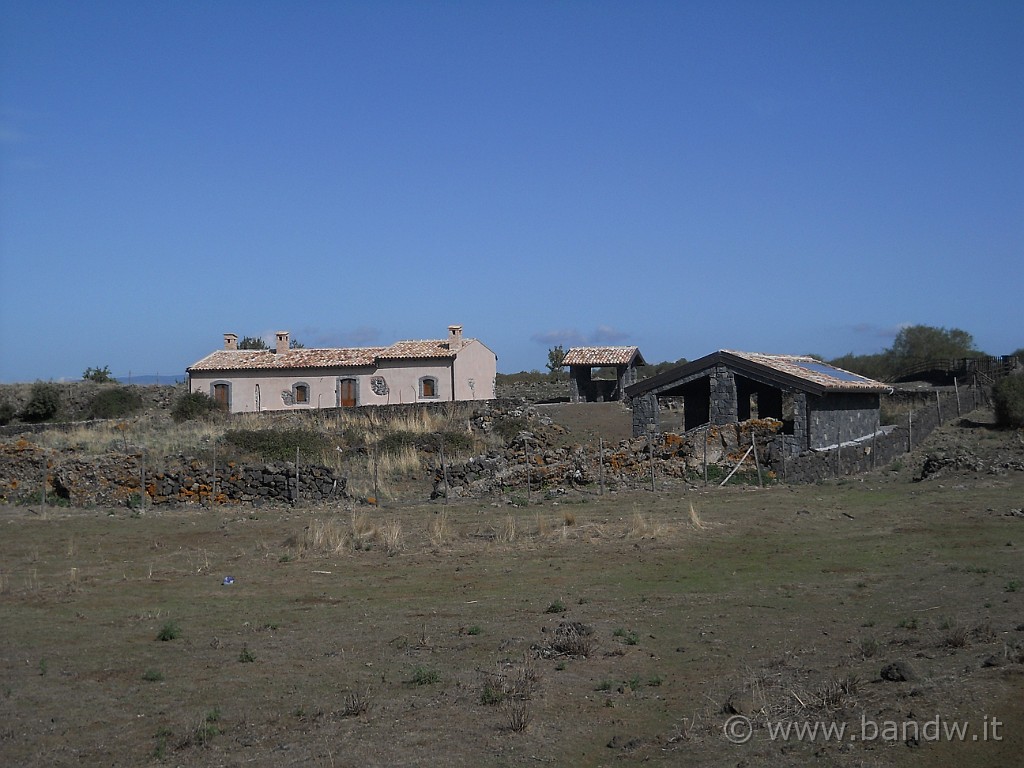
(427, 371)
(581, 361)
(818, 404)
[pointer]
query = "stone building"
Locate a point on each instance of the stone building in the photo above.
(581, 361)
(818, 404)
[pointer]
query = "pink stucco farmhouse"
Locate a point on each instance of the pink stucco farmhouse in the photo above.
(427, 371)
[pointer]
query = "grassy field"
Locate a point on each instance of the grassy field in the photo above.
(616, 630)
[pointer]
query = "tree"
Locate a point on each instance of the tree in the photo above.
(924, 342)
(43, 403)
(878, 366)
(256, 342)
(555, 357)
(99, 375)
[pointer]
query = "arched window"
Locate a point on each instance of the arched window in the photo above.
(300, 394)
(428, 387)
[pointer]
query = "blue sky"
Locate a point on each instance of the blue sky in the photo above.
(685, 176)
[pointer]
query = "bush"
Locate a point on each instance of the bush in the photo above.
(194, 405)
(277, 444)
(43, 404)
(508, 428)
(1008, 401)
(7, 413)
(169, 631)
(114, 403)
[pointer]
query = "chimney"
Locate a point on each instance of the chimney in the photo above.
(230, 341)
(282, 342)
(454, 338)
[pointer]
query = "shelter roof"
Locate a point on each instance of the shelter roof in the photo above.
(800, 372)
(595, 357)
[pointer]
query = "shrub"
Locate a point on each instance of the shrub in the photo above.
(168, 631)
(114, 403)
(7, 413)
(508, 428)
(392, 443)
(194, 405)
(425, 676)
(1008, 401)
(356, 703)
(43, 404)
(277, 444)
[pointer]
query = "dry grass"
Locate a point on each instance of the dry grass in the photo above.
(326, 537)
(155, 434)
(391, 538)
(507, 533)
(440, 529)
(695, 520)
(641, 527)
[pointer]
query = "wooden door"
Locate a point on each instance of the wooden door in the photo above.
(221, 395)
(347, 393)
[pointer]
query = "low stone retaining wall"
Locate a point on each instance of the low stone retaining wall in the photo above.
(122, 479)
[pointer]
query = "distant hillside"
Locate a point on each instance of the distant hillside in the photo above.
(151, 378)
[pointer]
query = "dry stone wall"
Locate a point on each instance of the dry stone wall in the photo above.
(125, 479)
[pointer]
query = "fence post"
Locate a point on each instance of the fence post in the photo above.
(650, 451)
(938, 406)
(956, 389)
(757, 461)
(910, 431)
(529, 458)
(600, 465)
(839, 450)
(444, 468)
(707, 435)
(874, 435)
(376, 487)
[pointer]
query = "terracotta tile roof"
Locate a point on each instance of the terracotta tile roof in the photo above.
(405, 350)
(350, 357)
(813, 370)
(249, 359)
(598, 356)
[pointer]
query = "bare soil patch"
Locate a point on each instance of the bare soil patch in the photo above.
(586, 423)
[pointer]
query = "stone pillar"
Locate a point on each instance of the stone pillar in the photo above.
(579, 384)
(724, 408)
(800, 430)
(645, 414)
